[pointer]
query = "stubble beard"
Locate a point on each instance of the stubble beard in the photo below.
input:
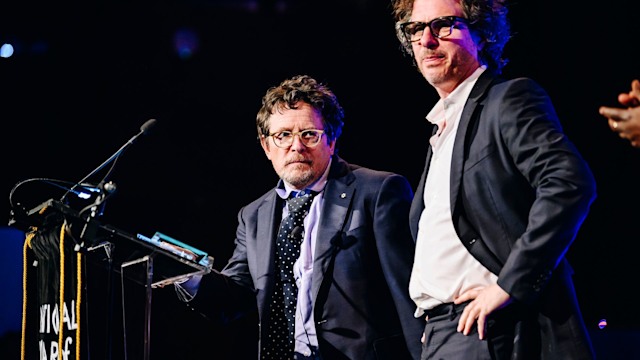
(299, 178)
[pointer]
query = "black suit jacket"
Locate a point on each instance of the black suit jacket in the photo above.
(363, 260)
(519, 193)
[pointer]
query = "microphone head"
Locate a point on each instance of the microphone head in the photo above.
(147, 126)
(296, 232)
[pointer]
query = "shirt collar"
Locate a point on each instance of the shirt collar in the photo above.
(457, 96)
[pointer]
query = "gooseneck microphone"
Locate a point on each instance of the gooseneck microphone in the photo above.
(81, 188)
(144, 130)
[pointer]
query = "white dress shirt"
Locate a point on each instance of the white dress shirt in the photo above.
(443, 268)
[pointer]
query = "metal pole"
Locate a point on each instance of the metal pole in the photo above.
(147, 309)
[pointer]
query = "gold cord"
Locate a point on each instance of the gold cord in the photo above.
(27, 244)
(61, 312)
(78, 298)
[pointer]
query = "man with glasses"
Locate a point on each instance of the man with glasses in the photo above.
(501, 199)
(351, 276)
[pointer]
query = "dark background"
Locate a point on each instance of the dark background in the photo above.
(85, 76)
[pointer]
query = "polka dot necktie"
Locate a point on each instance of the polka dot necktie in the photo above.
(280, 342)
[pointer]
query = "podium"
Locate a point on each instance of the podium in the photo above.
(61, 240)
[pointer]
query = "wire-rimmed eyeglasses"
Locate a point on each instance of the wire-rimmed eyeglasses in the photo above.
(440, 27)
(309, 138)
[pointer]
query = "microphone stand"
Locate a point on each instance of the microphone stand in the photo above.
(97, 209)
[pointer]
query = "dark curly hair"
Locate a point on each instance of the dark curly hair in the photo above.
(487, 18)
(306, 89)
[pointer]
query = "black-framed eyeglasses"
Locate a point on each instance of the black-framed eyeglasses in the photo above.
(440, 27)
(309, 138)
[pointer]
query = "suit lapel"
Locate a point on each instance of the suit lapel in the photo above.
(337, 199)
(459, 149)
(265, 237)
(465, 230)
(417, 205)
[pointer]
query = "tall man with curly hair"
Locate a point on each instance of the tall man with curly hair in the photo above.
(501, 199)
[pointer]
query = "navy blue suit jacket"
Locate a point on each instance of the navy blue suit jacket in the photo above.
(363, 259)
